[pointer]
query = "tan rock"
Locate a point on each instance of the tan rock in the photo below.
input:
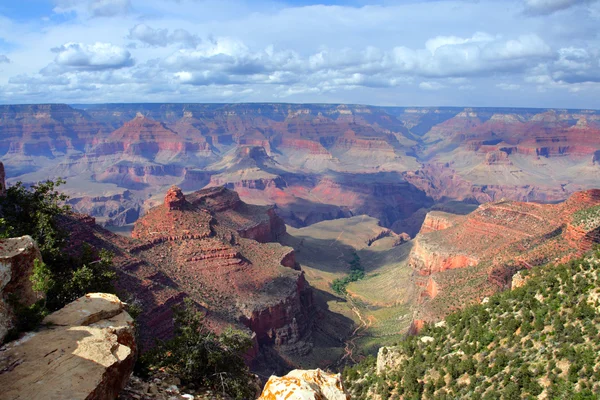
(388, 358)
(17, 257)
(305, 385)
(86, 352)
(518, 280)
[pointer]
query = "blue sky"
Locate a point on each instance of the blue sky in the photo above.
(517, 53)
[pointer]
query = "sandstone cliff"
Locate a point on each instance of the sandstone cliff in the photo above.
(462, 259)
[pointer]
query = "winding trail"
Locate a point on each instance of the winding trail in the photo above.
(358, 332)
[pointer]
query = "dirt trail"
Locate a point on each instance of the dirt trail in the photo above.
(358, 332)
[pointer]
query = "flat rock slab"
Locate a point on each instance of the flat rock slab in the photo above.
(87, 351)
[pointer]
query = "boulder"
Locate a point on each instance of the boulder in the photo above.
(17, 256)
(305, 385)
(84, 351)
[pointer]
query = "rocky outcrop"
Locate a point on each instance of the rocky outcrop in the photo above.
(174, 199)
(436, 221)
(305, 385)
(476, 255)
(518, 280)
(17, 257)
(217, 249)
(427, 258)
(86, 351)
(287, 322)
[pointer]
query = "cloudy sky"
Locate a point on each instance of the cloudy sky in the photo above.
(525, 53)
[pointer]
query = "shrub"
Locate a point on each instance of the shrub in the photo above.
(197, 355)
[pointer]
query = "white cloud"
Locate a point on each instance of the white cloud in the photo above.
(162, 37)
(97, 56)
(546, 7)
(4, 59)
(192, 50)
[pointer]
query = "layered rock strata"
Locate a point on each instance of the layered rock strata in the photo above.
(461, 259)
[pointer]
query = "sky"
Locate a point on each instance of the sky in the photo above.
(478, 53)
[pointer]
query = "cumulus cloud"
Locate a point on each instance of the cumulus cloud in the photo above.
(162, 37)
(230, 61)
(97, 56)
(4, 59)
(576, 65)
(546, 7)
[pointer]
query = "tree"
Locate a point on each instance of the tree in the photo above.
(199, 356)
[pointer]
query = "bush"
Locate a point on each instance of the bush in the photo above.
(197, 355)
(357, 272)
(35, 211)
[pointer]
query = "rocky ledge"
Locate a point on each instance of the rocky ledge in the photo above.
(84, 351)
(305, 385)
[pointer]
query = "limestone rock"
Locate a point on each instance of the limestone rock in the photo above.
(305, 385)
(16, 266)
(86, 351)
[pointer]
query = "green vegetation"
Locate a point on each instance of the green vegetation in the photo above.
(63, 277)
(200, 357)
(588, 218)
(357, 272)
(540, 338)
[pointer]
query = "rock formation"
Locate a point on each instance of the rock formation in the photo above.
(17, 257)
(305, 385)
(174, 199)
(211, 244)
(461, 259)
(85, 351)
(219, 251)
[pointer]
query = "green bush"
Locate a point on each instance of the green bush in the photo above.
(199, 356)
(35, 211)
(357, 272)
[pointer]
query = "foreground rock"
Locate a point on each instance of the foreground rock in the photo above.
(17, 256)
(305, 385)
(85, 351)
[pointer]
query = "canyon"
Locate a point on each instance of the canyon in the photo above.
(204, 193)
(314, 162)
